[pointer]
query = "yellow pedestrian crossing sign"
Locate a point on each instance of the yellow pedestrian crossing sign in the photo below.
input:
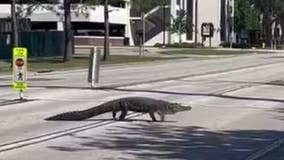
(20, 69)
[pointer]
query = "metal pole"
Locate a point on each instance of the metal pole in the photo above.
(144, 28)
(164, 24)
(15, 37)
(21, 94)
(94, 65)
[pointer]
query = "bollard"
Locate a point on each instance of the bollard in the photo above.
(94, 64)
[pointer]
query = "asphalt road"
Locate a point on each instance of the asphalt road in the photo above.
(237, 112)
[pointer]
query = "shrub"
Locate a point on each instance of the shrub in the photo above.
(235, 45)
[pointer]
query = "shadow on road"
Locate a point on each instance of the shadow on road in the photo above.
(14, 101)
(160, 141)
(199, 94)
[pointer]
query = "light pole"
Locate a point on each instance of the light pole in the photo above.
(164, 24)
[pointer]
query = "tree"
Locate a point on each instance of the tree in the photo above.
(14, 23)
(180, 24)
(66, 7)
(279, 14)
(246, 18)
(266, 10)
(106, 3)
(68, 49)
(106, 40)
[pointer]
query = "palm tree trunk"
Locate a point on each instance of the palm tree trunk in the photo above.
(282, 28)
(68, 49)
(106, 40)
(14, 24)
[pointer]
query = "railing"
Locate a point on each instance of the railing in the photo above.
(154, 23)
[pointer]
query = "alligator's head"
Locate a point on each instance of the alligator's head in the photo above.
(172, 108)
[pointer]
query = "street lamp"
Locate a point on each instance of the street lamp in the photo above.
(164, 24)
(165, 6)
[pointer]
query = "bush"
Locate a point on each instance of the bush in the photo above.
(235, 45)
(159, 45)
(177, 45)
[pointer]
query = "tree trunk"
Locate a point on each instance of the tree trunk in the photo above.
(180, 34)
(267, 21)
(106, 40)
(196, 23)
(282, 28)
(68, 48)
(14, 27)
(14, 24)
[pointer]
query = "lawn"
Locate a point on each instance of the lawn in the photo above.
(56, 64)
(206, 52)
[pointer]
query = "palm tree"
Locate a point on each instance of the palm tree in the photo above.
(279, 13)
(68, 49)
(266, 8)
(106, 40)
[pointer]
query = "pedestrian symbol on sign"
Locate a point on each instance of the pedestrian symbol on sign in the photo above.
(20, 76)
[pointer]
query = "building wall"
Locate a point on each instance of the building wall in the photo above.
(208, 11)
(117, 15)
(97, 41)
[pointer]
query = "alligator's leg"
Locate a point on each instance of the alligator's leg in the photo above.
(124, 110)
(152, 115)
(162, 117)
(113, 114)
(123, 115)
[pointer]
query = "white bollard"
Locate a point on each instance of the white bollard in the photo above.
(94, 64)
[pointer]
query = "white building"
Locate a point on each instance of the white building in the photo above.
(87, 22)
(217, 12)
(89, 30)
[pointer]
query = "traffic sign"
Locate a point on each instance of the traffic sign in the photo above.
(20, 69)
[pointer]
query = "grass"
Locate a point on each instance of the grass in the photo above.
(206, 52)
(56, 64)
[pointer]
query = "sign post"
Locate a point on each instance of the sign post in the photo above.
(207, 30)
(20, 70)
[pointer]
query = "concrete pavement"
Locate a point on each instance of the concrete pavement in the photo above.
(237, 110)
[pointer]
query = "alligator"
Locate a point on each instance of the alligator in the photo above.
(123, 105)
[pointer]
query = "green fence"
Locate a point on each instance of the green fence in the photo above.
(5, 50)
(39, 44)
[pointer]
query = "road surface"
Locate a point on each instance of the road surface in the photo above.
(237, 112)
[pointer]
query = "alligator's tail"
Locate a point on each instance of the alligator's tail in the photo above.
(84, 114)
